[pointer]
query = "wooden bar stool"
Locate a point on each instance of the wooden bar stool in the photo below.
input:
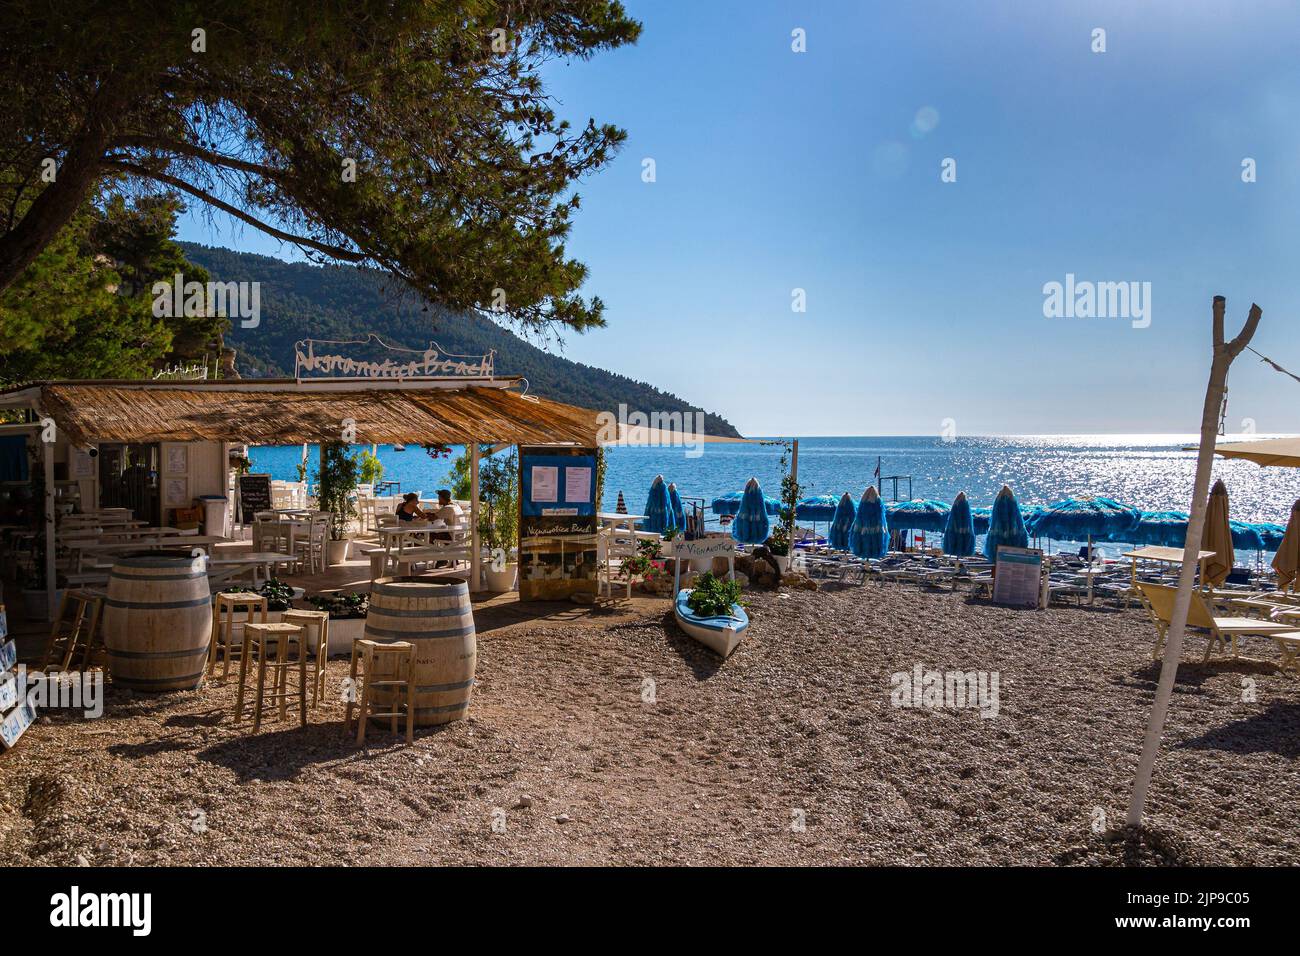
(76, 628)
(384, 666)
(277, 640)
(225, 608)
(319, 623)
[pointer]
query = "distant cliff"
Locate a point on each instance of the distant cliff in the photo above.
(301, 301)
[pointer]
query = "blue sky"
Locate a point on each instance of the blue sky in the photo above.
(778, 170)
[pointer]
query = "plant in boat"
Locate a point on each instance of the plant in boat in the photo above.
(713, 597)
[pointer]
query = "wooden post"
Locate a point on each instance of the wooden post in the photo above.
(1223, 356)
(475, 559)
(51, 572)
(794, 479)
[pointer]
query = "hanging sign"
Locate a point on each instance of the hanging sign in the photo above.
(371, 357)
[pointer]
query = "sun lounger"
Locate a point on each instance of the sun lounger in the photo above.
(1224, 631)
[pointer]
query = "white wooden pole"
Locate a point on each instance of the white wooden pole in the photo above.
(51, 572)
(475, 571)
(1223, 356)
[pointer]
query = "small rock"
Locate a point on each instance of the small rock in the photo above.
(524, 802)
(563, 818)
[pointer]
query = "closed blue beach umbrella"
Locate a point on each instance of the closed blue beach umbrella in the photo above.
(980, 519)
(919, 514)
(869, 533)
(658, 510)
(1083, 518)
(727, 504)
(675, 502)
(838, 534)
(1006, 525)
(959, 532)
(751, 524)
(816, 508)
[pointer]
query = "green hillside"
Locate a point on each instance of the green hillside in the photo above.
(300, 301)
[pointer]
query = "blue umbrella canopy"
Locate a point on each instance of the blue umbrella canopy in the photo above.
(751, 524)
(980, 519)
(919, 514)
(727, 505)
(1028, 513)
(959, 533)
(1245, 537)
(1006, 525)
(816, 508)
(1165, 529)
(675, 502)
(838, 534)
(1271, 534)
(1077, 519)
(658, 509)
(869, 533)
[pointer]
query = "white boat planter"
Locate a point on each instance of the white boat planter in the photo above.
(782, 562)
(336, 552)
(718, 634)
(503, 580)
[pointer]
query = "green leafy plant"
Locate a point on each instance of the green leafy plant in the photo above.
(279, 596)
(342, 606)
(498, 482)
(778, 542)
(713, 597)
(370, 469)
(642, 564)
(301, 469)
(337, 478)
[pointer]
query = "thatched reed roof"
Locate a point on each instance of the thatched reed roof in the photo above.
(266, 413)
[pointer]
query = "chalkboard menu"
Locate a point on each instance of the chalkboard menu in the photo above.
(557, 522)
(254, 496)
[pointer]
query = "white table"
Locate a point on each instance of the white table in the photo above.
(400, 535)
(260, 562)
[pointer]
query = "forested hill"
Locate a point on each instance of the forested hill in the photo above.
(301, 301)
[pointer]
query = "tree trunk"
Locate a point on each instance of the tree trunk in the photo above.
(55, 206)
(1223, 356)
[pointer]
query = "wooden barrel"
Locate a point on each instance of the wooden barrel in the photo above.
(157, 622)
(435, 615)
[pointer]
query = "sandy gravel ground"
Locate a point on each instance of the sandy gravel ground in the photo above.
(615, 740)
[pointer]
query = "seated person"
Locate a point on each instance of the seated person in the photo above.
(449, 512)
(409, 509)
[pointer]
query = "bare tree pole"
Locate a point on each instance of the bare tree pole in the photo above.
(1223, 356)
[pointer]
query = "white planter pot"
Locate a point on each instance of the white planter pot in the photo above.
(343, 631)
(782, 562)
(336, 552)
(503, 580)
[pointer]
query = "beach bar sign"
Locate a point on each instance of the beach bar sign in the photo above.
(372, 357)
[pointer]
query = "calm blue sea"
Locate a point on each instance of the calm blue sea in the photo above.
(1149, 471)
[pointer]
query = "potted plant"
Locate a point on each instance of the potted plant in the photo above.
(337, 480)
(778, 542)
(347, 611)
(370, 469)
(498, 522)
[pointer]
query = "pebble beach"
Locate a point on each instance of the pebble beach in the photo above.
(608, 737)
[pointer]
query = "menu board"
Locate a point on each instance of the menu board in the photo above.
(557, 522)
(254, 496)
(1017, 576)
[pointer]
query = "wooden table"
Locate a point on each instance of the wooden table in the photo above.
(399, 535)
(223, 569)
(1164, 556)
